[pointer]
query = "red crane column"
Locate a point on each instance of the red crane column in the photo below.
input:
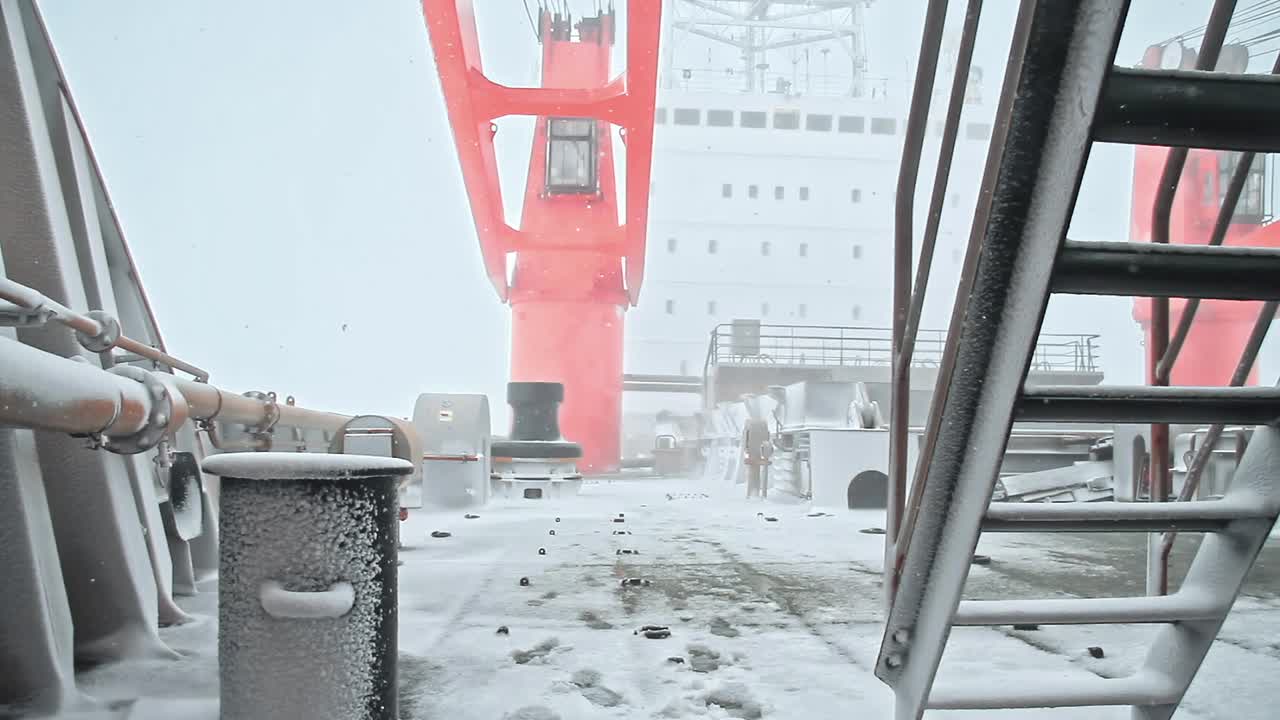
(577, 267)
(1221, 327)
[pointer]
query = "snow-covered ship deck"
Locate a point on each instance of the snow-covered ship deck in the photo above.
(777, 618)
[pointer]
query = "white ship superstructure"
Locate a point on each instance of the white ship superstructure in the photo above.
(775, 165)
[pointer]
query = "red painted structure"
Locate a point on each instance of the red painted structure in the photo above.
(576, 266)
(1221, 327)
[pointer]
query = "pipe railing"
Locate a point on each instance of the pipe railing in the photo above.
(1191, 483)
(42, 391)
(95, 326)
(904, 215)
(865, 346)
(1158, 350)
(908, 297)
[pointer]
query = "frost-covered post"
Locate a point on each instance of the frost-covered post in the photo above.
(307, 585)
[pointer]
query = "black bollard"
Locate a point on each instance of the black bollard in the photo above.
(535, 409)
(307, 585)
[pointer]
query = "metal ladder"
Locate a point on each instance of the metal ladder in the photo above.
(1062, 93)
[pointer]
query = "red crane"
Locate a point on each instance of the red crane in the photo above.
(578, 261)
(1220, 329)
(1221, 326)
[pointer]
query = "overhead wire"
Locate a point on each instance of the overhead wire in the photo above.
(528, 14)
(1258, 11)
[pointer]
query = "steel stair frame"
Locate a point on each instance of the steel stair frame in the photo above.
(1057, 100)
(1062, 53)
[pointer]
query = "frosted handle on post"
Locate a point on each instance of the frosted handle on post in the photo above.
(289, 604)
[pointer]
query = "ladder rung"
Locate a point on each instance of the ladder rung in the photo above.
(1158, 270)
(1144, 404)
(1180, 606)
(1189, 109)
(1191, 516)
(1054, 690)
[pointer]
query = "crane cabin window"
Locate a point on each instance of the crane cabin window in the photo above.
(571, 156)
(1251, 208)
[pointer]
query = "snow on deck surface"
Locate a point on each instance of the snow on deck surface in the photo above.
(772, 619)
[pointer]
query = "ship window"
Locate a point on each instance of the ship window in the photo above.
(671, 244)
(857, 252)
(712, 246)
(711, 307)
(720, 118)
(753, 192)
(764, 309)
(671, 307)
(803, 310)
(804, 249)
(851, 123)
(879, 126)
(857, 312)
(855, 195)
(786, 120)
(1251, 208)
(804, 193)
(977, 131)
(778, 192)
(571, 155)
(764, 248)
(660, 116)
(753, 119)
(820, 123)
(686, 116)
(726, 190)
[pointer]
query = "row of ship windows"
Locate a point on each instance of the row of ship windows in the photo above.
(791, 120)
(780, 192)
(766, 248)
(801, 310)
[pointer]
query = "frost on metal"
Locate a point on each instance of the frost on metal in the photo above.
(307, 536)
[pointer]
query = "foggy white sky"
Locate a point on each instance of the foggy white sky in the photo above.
(287, 181)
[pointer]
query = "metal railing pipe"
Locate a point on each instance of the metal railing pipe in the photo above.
(1158, 345)
(1230, 199)
(42, 391)
(30, 299)
(908, 174)
(1195, 471)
